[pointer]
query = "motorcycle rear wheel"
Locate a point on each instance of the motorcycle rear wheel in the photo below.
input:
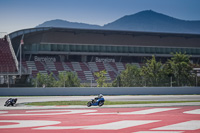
(101, 104)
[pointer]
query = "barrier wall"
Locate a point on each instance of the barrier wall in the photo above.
(77, 91)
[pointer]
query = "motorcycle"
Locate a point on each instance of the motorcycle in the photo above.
(99, 102)
(10, 101)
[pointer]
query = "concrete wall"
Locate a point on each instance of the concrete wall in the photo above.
(94, 91)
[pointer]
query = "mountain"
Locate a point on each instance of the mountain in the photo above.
(148, 21)
(154, 22)
(67, 24)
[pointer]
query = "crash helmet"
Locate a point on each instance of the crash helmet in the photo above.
(100, 95)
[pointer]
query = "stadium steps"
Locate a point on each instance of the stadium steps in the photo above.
(93, 66)
(120, 66)
(76, 66)
(32, 65)
(49, 68)
(112, 68)
(43, 72)
(113, 65)
(83, 66)
(66, 68)
(40, 66)
(7, 62)
(108, 67)
(69, 65)
(59, 66)
(81, 75)
(100, 66)
(112, 75)
(107, 76)
(88, 71)
(89, 76)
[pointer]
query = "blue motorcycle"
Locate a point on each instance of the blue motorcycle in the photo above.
(96, 102)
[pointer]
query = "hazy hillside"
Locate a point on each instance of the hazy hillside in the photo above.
(156, 22)
(143, 21)
(67, 24)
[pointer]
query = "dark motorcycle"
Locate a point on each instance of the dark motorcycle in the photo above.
(10, 102)
(96, 102)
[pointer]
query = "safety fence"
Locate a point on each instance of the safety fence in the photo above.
(81, 91)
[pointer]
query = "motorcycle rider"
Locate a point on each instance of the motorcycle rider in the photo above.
(10, 101)
(97, 101)
(98, 97)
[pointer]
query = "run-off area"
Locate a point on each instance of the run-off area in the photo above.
(127, 120)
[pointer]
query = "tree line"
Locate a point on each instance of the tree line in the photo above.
(65, 79)
(177, 71)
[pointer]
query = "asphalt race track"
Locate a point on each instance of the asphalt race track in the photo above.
(165, 118)
(109, 98)
(183, 119)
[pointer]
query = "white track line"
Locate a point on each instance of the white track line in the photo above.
(159, 132)
(108, 126)
(120, 124)
(26, 123)
(61, 112)
(143, 112)
(196, 111)
(3, 112)
(188, 125)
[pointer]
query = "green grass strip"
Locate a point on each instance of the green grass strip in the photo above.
(54, 103)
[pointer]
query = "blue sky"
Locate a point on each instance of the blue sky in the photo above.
(21, 14)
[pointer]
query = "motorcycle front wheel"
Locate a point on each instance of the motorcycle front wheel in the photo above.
(7, 104)
(89, 104)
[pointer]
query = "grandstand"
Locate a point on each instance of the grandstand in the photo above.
(85, 52)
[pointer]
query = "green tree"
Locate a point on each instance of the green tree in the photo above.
(180, 68)
(101, 78)
(51, 80)
(152, 72)
(68, 79)
(44, 79)
(117, 82)
(130, 77)
(39, 80)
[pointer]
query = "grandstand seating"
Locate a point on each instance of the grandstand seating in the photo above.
(81, 75)
(88, 75)
(93, 66)
(69, 65)
(120, 66)
(59, 66)
(112, 75)
(84, 70)
(100, 66)
(76, 66)
(7, 63)
(113, 65)
(84, 67)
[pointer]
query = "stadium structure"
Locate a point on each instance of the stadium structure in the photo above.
(85, 51)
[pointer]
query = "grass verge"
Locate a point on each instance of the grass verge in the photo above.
(54, 103)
